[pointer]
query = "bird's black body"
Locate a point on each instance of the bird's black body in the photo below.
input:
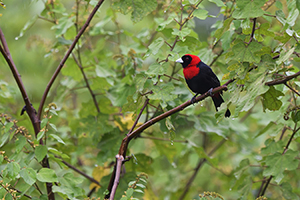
(200, 78)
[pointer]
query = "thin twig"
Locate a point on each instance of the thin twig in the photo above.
(138, 117)
(86, 24)
(287, 85)
(87, 83)
(81, 172)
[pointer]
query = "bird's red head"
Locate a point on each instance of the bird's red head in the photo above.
(188, 60)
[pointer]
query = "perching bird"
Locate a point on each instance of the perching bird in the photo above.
(200, 78)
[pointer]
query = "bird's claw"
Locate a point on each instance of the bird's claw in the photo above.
(193, 100)
(210, 92)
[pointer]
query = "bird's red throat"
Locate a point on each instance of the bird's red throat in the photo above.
(191, 71)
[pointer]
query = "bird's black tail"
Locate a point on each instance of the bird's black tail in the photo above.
(218, 100)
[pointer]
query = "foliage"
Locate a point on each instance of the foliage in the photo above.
(111, 119)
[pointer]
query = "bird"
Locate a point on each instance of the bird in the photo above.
(201, 79)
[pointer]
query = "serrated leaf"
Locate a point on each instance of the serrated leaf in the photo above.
(243, 166)
(138, 8)
(155, 46)
(163, 92)
(181, 33)
(278, 163)
(156, 69)
(248, 9)
(270, 99)
(12, 169)
(246, 53)
(272, 147)
(29, 175)
(47, 175)
(40, 152)
(287, 191)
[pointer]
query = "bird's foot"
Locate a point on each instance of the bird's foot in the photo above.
(193, 100)
(210, 92)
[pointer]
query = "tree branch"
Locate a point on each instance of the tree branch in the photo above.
(86, 24)
(119, 162)
(130, 136)
(29, 109)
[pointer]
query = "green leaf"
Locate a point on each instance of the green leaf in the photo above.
(223, 29)
(138, 8)
(181, 33)
(20, 143)
(201, 153)
(12, 169)
(246, 53)
(103, 71)
(292, 17)
(8, 127)
(201, 14)
(243, 166)
(248, 9)
(284, 56)
(270, 99)
(56, 137)
(40, 152)
(129, 192)
(157, 69)
(298, 4)
(287, 191)
(29, 175)
(47, 175)
(296, 116)
(163, 92)
(27, 26)
(155, 46)
(64, 23)
(219, 3)
(4, 138)
(272, 147)
(40, 135)
(278, 163)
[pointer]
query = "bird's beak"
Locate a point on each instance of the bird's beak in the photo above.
(179, 60)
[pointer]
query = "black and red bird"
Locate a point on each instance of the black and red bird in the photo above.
(200, 78)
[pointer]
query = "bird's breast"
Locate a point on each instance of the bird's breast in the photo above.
(190, 72)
